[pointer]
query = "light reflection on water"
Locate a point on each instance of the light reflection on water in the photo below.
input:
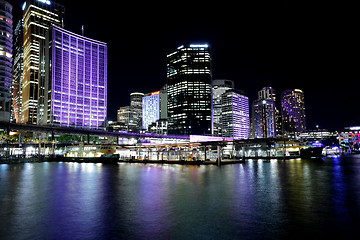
(257, 200)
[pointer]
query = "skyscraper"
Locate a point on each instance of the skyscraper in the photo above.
(293, 111)
(263, 118)
(219, 87)
(74, 89)
(6, 33)
(16, 89)
(38, 16)
(150, 109)
(123, 117)
(189, 90)
(235, 118)
(267, 93)
(130, 117)
(135, 116)
(264, 114)
(154, 108)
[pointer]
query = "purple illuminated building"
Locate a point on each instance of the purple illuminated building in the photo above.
(73, 85)
(235, 117)
(293, 111)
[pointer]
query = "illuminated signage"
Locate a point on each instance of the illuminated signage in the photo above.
(155, 93)
(349, 138)
(45, 1)
(199, 45)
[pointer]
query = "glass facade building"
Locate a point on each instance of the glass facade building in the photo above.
(74, 87)
(235, 115)
(135, 117)
(154, 109)
(16, 89)
(123, 117)
(189, 90)
(293, 111)
(219, 87)
(150, 109)
(263, 118)
(6, 44)
(38, 16)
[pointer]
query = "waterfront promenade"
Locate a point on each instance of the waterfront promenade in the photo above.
(36, 159)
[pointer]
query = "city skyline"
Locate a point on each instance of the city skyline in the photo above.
(280, 47)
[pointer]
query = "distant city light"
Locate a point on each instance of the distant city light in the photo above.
(23, 6)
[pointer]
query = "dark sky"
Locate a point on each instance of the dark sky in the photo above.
(282, 44)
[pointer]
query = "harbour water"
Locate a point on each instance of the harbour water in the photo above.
(270, 199)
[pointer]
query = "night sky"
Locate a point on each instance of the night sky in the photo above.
(283, 45)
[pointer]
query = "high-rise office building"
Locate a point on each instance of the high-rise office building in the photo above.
(135, 117)
(6, 33)
(74, 89)
(267, 93)
(264, 114)
(219, 87)
(235, 115)
(16, 89)
(130, 117)
(263, 118)
(150, 109)
(293, 111)
(189, 90)
(154, 108)
(38, 16)
(123, 116)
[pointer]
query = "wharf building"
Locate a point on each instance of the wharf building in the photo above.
(38, 16)
(73, 88)
(6, 44)
(235, 120)
(189, 90)
(293, 111)
(219, 87)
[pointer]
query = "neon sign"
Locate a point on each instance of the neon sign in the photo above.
(155, 93)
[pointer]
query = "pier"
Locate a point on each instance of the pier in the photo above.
(150, 148)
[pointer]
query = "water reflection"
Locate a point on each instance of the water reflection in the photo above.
(259, 199)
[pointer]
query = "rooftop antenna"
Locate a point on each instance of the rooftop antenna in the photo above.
(82, 30)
